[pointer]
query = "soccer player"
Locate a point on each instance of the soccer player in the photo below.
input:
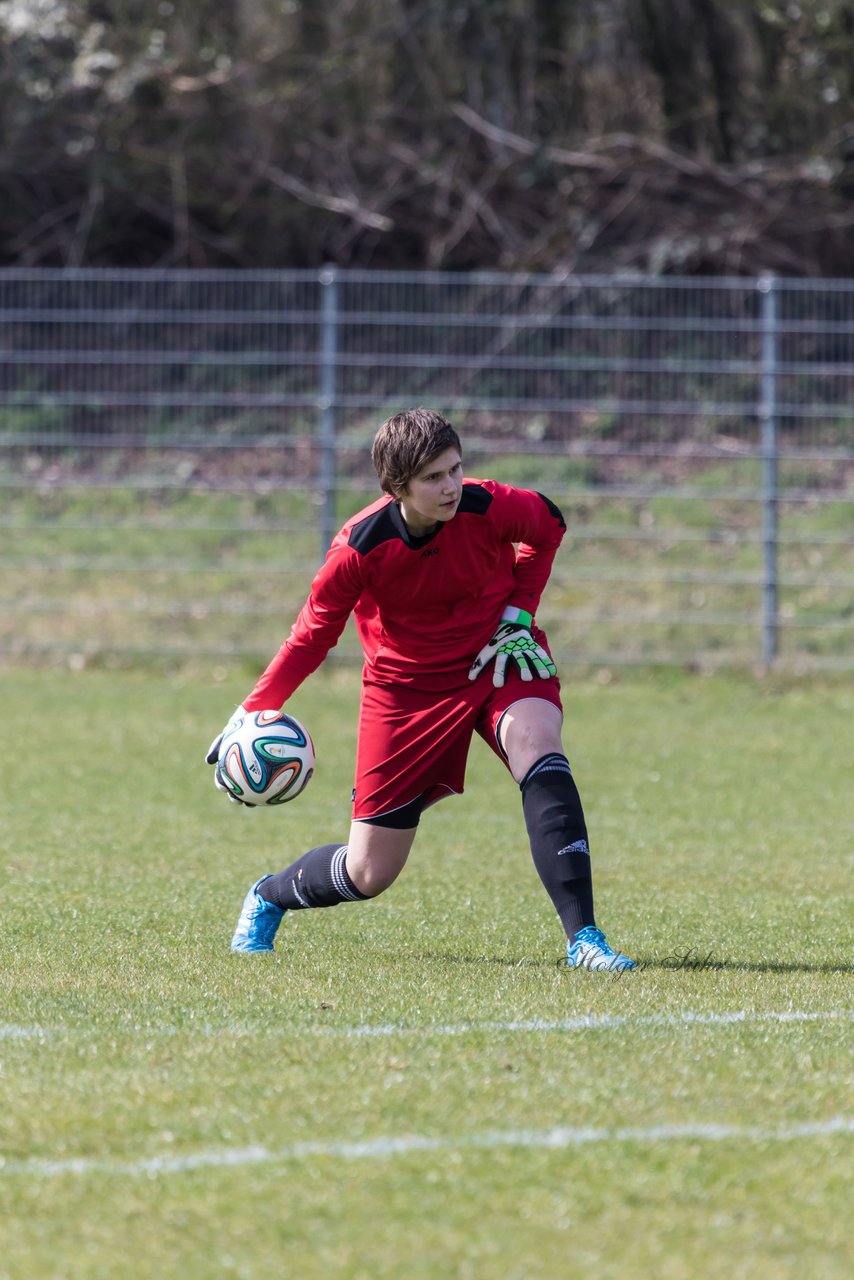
(443, 575)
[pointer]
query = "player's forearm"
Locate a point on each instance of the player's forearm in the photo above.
(533, 567)
(310, 640)
(315, 632)
(283, 676)
(538, 528)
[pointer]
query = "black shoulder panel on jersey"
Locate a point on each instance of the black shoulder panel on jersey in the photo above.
(556, 511)
(375, 529)
(475, 500)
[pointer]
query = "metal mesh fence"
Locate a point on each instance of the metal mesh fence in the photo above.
(177, 448)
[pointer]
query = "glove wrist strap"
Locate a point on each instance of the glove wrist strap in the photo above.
(512, 614)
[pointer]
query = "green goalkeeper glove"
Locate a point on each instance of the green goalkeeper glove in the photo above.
(513, 639)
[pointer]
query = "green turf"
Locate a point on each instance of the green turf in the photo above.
(440, 1015)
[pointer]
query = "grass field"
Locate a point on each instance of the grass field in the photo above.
(417, 1087)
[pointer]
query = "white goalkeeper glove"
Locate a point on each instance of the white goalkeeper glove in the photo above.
(513, 639)
(212, 756)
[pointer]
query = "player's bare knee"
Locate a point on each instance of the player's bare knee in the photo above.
(376, 856)
(372, 880)
(529, 730)
(524, 745)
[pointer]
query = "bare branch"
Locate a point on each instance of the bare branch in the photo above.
(525, 147)
(349, 206)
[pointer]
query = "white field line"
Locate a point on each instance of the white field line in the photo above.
(603, 1021)
(581, 1022)
(556, 1139)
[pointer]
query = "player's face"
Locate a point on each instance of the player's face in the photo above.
(432, 497)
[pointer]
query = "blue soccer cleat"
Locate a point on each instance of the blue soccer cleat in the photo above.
(258, 922)
(591, 951)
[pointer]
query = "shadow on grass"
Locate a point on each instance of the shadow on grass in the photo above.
(505, 962)
(743, 966)
(688, 962)
(690, 958)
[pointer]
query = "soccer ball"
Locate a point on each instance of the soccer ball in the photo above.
(267, 758)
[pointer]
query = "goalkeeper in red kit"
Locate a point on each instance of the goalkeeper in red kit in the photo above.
(443, 576)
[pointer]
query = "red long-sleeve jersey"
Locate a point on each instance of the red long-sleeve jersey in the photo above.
(424, 607)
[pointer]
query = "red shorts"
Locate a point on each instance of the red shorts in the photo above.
(414, 744)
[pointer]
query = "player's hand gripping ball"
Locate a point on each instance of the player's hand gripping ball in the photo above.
(265, 758)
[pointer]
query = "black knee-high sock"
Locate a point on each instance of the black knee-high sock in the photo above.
(317, 879)
(558, 835)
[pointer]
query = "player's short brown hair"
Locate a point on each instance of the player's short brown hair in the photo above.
(406, 442)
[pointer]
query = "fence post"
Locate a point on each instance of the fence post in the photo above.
(326, 403)
(770, 456)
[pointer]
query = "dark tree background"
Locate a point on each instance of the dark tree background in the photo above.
(602, 135)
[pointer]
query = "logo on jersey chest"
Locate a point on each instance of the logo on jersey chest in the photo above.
(429, 551)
